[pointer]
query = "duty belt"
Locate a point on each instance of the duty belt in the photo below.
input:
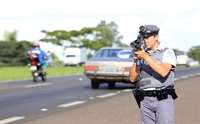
(156, 91)
(160, 93)
(150, 93)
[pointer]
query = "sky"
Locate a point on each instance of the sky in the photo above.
(179, 21)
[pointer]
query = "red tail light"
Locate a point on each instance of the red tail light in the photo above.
(33, 63)
(89, 68)
(127, 69)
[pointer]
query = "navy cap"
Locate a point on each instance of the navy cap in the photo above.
(148, 30)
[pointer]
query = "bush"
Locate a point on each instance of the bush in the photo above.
(14, 53)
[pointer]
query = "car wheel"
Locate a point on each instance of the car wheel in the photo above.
(187, 65)
(94, 84)
(111, 85)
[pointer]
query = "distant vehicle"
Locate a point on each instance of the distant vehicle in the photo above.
(109, 65)
(74, 56)
(182, 59)
(193, 62)
(49, 61)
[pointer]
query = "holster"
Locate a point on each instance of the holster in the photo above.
(139, 95)
(172, 92)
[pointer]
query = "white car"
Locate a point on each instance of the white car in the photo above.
(182, 59)
(110, 65)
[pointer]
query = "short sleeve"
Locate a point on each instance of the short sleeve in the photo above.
(169, 57)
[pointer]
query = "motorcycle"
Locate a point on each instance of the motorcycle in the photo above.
(36, 67)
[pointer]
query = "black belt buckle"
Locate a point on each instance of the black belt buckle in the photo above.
(150, 93)
(161, 93)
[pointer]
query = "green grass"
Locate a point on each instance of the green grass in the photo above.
(17, 73)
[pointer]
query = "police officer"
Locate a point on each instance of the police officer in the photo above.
(156, 77)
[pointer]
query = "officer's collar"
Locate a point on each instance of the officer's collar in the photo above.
(159, 48)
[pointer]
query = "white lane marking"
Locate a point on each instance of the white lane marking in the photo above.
(191, 75)
(38, 85)
(118, 91)
(106, 95)
(43, 109)
(127, 90)
(71, 104)
(5, 121)
(176, 79)
(184, 76)
(91, 98)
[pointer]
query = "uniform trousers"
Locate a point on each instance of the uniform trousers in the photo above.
(153, 111)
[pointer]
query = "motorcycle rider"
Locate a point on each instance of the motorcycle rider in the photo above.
(41, 55)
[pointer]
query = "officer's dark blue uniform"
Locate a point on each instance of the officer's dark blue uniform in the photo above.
(157, 78)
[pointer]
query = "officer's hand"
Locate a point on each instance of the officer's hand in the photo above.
(135, 58)
(141, 54)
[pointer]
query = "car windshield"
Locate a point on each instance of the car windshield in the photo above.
(121, 53)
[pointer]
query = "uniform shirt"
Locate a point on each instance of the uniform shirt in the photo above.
(168, 56)
(41, 54)
(150, 78)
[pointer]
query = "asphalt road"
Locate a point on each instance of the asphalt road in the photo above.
(70, 100)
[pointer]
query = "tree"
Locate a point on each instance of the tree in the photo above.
(53, 56)
(194, 53)
(92, 38)
(10, 36)
(103, 35)
(110, 32)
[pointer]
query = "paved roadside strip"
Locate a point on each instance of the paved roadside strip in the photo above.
(122, 109)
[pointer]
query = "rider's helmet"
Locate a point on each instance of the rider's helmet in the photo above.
(36, 44)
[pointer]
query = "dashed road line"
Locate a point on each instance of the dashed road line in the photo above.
(71, 104)
(191, 75)
(118, 91)
(183, 77)
(127, 90)
(38, 85)
(91, 98)
(5, 121)
(175, 79)
(106, 95)
(186, 76)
